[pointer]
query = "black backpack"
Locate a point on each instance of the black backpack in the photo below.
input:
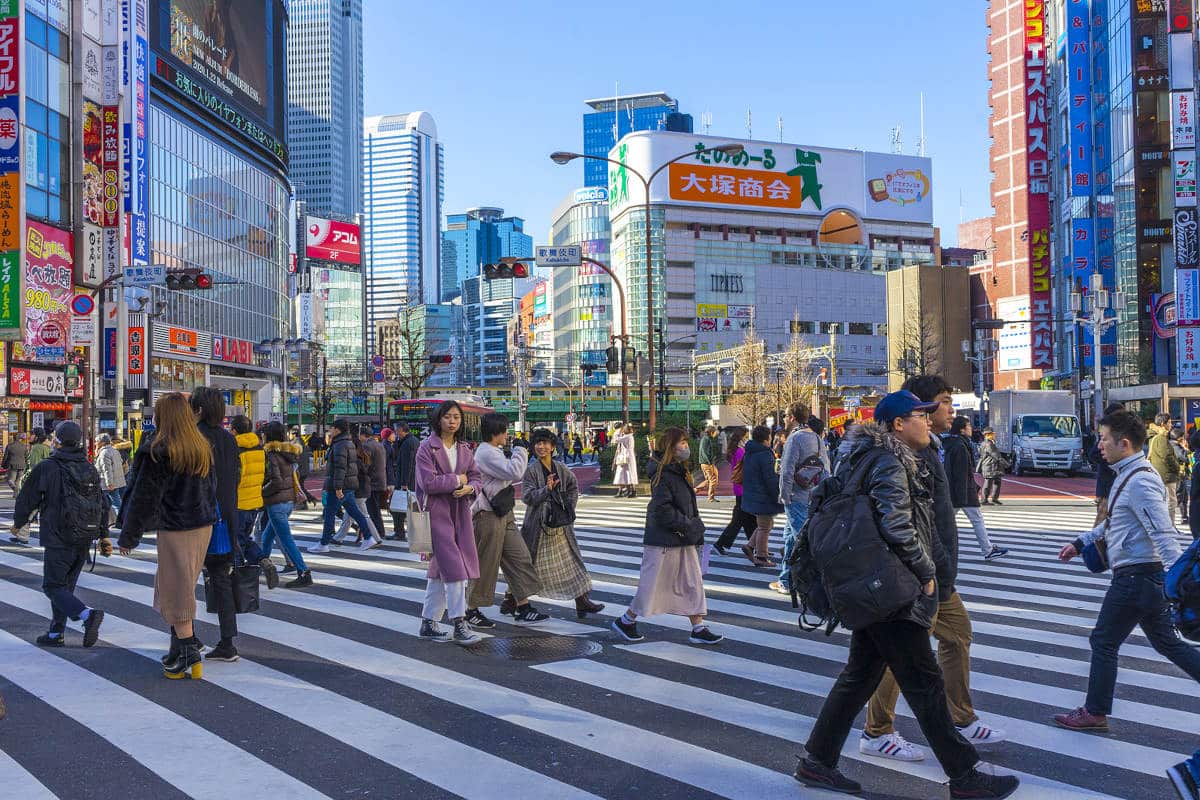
(83, 504)
(861, 581)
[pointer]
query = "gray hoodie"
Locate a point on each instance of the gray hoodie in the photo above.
(1138, 530)
(497, 471)
(801, 445)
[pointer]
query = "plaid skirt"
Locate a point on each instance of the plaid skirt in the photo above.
(562, 574)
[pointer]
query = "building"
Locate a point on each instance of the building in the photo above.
(488, 308)
(585, 304)
(325, 105)
(410, 339)
(783, 238)
(403, 169)
(536, 324)
(927, 322)
(613, 117)
(476, 237)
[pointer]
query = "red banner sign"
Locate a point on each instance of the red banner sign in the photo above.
(1037, 140)
(330, 240)
(110, 154)
(233, 351)
(137, 350)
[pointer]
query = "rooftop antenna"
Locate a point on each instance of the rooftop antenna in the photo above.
(780, 123)
(897, 140)
(706, 122)
(616, 112)
(749, 126)
(961, 207)
(921, 141)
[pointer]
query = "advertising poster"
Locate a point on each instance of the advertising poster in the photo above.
(223, 44)
(1041, 309)
(1183, 120)
(1187, 238)
(93, 163)
(1185, 178)
(1187, 356)
(1187, 297)
(330, 240)
(49, 287)
(110, 162)
(10, 170)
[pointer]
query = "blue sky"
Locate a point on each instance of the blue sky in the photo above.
(506, 82)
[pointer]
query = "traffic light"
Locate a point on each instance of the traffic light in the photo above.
(188, 279)
(612, 361)
(505, 268)
(440, 359)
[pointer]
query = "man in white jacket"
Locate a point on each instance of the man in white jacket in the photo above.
(111, 467)
(497, 539)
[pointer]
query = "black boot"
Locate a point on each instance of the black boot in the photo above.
(173, 653)
(584, 606)
(508, 606)
(187, 662)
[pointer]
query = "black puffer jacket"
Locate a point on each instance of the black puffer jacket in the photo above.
(959, 460)
(341, 465)
(279, 483)
(42, 491)
(406, 461)
(945, 527)
(672, 517)
(227, 464)
(161, 499)
(899, 487)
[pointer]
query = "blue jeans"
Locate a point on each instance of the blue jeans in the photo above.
(797, 515)
(251, 553)
(278, 525)
(346, 502)
(114, 499)
(1134, 598)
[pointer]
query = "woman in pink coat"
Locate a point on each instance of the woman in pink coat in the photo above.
(447, 481)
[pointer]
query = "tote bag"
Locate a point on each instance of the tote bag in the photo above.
(420, 531)
(399, 501)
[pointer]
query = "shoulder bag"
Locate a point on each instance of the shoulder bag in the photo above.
(1095, 555)
(420, 529)
(503, 501)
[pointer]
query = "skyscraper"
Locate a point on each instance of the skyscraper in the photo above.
(325, 105)
(479, 236)
(613, 117)
(403, 168)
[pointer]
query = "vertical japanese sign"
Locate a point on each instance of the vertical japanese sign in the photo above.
(1037, 154)
(136, 73)
(1081, 251)
(1185, 178)
(1183, 120)
(10, 170)
(1185, 228)
(110, 155)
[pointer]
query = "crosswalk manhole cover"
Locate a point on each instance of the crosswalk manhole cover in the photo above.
(536, 648)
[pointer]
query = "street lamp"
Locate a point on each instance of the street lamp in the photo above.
(1088, 310)
(561, 157)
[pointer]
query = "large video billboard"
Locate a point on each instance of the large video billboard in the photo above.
(330, 240)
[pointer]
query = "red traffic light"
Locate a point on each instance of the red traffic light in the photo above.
(188, 279)
(520, 270)
(440, 359)
(507, 268)
(204, 281)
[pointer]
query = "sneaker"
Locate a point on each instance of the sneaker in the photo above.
(464, 635)
(317, 548)
(529, 615)
(508, 606)
(224, 651)
(997, 502)
(1081, 720)
(287, 569)
(369, 543)
(46, 640)
(270, 573)
(91, 627)
(810, 773)
(303, 580)
(628, 631)
(982, 783)
(996, 552)
(719, 548)
(18, 540)
(978, 733)
(985, 502)
(433, 632)
(890, 745)
(705, 636)
(776, 586)
(476, 619)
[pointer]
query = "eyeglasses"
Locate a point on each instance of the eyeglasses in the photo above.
(917, 415)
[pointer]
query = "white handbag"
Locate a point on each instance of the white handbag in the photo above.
(621, 458)
(420, 530)
(399, 501)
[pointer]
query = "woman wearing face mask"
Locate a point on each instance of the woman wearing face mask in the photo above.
(550, 495)
(670, 580)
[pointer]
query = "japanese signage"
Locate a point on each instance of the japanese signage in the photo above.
(1183, 120)
(11, 214)
(739, 187)
(91, 256)
(234, 351)
(1163, 317)
(304, 316)
(1187, 296)
(110, 353)
(711, 310)
(1037, 164)
(1187, 356)
(93, 163)
(135, 78)
(570, 255)
(92, 65)
(182, 340)
(1185, 178)
(26, 381)
(1014, 340)
(330, 240)
(110, 148)
(137, 350)
(48, 289)
(1187, 244)
(1179, 15)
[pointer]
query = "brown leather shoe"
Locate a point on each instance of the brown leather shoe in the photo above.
(1082, 720)
(584, 605)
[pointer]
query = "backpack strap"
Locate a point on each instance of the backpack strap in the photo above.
(1112, 503)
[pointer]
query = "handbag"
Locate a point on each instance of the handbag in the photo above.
(1095, 555)
(557, 513)
(245, 588)
(621, 458)
(503, 501)
(398, 503)
(219, 543)
(420, 530)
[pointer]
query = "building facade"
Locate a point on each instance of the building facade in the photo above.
(927, 322)
(783, 238)
(613, 117)
(488, 310)
(409, 340)
(477, 237)
(585, 302)
(403, 176)
(325, 105)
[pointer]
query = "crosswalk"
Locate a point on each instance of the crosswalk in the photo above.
(335, 696)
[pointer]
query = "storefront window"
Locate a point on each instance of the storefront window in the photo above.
(177, 376)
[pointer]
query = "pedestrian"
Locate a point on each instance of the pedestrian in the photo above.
(1182, 490)
(760, 495)
(64, 490)
(740, 519)
(406, 465)
(447, 481)
(303, 464)
(1140, 537)
(1165, 462)
(280, 491)
(960, 466)
(550, 494)
(250, 496)
(562, 447)
(375, 458)
(899, 489)
(577, 448)
(39, 450)
(112, 472)
(174, 492)
(497, 540)
(341, 484)
(1105, 474)
(670, 580)
(625, 468)
(710, 453)
(16, 461)
(804, 464)
(992, 465)
(951, 624)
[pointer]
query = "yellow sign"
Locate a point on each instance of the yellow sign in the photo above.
(701, 183)
(712, 311)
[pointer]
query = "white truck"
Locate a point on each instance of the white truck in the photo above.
(1038, 430)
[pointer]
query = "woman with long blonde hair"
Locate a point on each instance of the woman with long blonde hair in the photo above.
(173, 491)
(671, 581)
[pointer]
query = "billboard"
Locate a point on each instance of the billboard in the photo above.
(11, 212)
(1041, 312)
(330, 240)
(49, 287)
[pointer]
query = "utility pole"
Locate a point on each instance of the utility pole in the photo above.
(521, 376)
(662, 366)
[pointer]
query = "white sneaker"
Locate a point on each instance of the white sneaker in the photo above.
(368, 543)
(978, 733)
(890, 745)
(317, 548)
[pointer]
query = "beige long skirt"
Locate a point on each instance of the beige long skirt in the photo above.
(670, 583)
(180, 559)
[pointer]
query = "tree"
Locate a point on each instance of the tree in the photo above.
(795, 372)
(920, 347)
(748, 392)
(413, 368)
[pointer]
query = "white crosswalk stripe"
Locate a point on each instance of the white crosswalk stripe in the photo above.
(340, 668)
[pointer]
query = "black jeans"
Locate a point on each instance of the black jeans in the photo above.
(903, 646)
(740, 520)
(60, 572)
(399, 518)
(220, 578)
(991, 487)
(375, 511)
(1135, 597)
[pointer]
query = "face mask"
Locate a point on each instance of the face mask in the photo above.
(683, 453)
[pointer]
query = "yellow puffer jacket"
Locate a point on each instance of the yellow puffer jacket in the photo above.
(254, 470)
